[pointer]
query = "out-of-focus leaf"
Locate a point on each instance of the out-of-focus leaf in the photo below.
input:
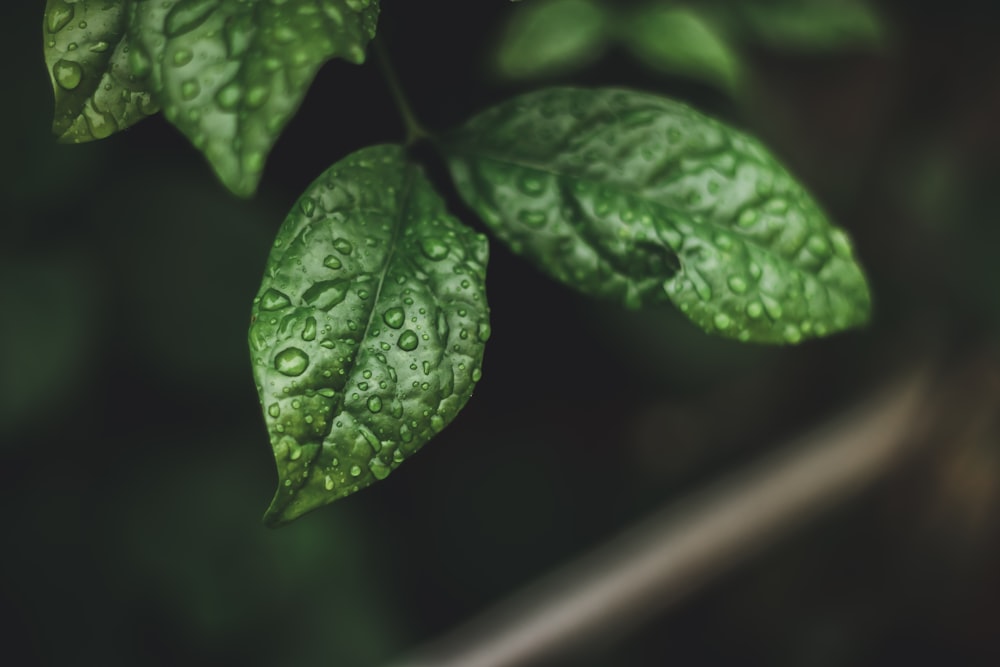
(368, 330)
(48, 334)
(86, 52)
(680, 41)
(231, 73)
(639, 198)
(551, 37)
(817, 25)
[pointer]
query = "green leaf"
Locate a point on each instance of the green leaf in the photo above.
(231, 73)
(86, 52)
(639, 198)
(368, 331)
(817, 25)
(680, 41)
(551, 37)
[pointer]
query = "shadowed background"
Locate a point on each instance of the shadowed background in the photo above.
(136, 464)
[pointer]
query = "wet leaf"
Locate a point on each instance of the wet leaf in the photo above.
(551, 37)
(231, 73)
(639, 198)
(86, 52)
(367, 334)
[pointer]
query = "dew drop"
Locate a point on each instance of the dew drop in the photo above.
(355, 471)
(778, 206)
(721, 321)
(437, 423)
(534, 219)
(755, 310)
(747, 218)
(190, 89)
(328, 483)
(374, 404)
(326, 294)
(99, 47)
(379, 469)
(394, 317)
(309, 332)
(256, 96)
(483, 332)
(531, 185)
(228, 97)
(434, 248)
(405, 434)
(182, 57)
(187, 15)
(343, 246)
(737, 284)
(274, 410)
(792, 334)
(67, 74)
(332, 262)
(291, 361)
(477, 375)
(59, 16)
(818, 246)
(408, 340)
(308, 206)
(272, 299)
(773, 308)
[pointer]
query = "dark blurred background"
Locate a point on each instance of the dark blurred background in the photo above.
(136, 465)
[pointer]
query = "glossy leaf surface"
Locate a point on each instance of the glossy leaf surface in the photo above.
(639, 198)
(230, 73)
(368, 330)
(86, 52)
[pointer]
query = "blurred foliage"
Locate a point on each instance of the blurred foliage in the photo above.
(701, 41)
(136, 467)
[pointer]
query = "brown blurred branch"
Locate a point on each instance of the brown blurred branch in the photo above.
(657, 562)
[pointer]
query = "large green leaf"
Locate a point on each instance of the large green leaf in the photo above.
(86, 52)
(368, 330)
(230, 73)
(639, 198)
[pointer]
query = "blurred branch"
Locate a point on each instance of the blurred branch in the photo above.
(657, 562)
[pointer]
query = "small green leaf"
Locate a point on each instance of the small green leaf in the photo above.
(231, 73)
(86, 52)
(367, 334)
(680, 41)
(814, 26)
(639, 198)
(551, 37)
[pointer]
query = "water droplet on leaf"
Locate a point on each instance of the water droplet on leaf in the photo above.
(67, 74)
(291, 361)
(408, 340)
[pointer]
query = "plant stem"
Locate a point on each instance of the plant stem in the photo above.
(414, 130)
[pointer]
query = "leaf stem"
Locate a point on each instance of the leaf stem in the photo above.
(414, 130)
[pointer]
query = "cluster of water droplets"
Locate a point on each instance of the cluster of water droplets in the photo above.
(639, 198)
(372, 317)
(96, 92)
(231, 74)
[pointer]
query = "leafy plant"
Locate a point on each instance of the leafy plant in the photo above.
(368, 331)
